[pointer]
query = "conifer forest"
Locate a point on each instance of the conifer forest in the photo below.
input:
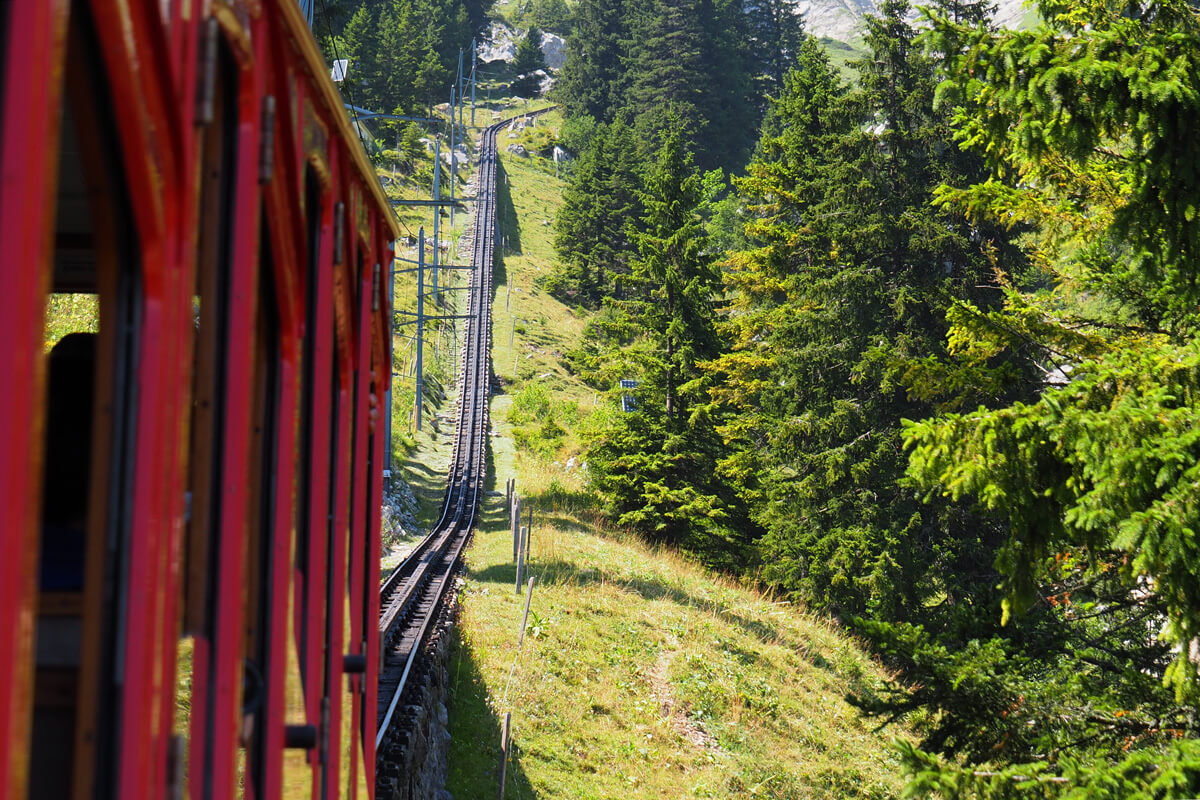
(914, 343)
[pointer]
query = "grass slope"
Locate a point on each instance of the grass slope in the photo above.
(843, 55)
(641, 675)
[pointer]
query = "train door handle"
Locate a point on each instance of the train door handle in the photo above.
(300, 737)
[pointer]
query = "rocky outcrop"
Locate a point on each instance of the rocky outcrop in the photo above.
(554, 49)
(500, 44)
(843, 19)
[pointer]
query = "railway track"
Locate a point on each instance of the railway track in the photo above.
(414, 592)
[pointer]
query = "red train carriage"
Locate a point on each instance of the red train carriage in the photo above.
(189, 490)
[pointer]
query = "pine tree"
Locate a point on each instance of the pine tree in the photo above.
(653, 465)
(528, 61)
(600, 205)
(361, 48)
(776, 33)
(592, 79)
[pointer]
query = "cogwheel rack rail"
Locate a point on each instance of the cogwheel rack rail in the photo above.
(413, 594)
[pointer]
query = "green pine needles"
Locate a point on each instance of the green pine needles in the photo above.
(942, 381)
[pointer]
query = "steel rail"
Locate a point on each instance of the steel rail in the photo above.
(419, 583)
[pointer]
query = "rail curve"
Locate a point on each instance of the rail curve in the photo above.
(415, 590)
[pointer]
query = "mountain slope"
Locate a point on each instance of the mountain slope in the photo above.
(641, 676)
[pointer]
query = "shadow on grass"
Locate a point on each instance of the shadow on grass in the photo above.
(559, 572)
(489, 468)
(499, 272)
(428, 484)
(508, 233)
(474, 762)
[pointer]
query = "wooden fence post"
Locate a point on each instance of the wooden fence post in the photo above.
(525, 616)
(505, 740)
(524, 534)
(515, 521)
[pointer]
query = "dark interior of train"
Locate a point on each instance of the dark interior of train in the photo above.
(90, 400)
(261, 512)
(307, 447)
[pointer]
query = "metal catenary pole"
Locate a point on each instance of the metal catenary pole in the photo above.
(437, 210)
(461, 87)
(420, 323)
(453, 164)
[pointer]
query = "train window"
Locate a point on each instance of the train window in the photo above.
(71, 312)
(366, 720)
(355, 636)
(298, 770)
(91, 336)
(195, 676)
(335, 539)
(261, 518)
(308, 448)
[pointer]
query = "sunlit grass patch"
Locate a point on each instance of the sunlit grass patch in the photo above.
(644, 676)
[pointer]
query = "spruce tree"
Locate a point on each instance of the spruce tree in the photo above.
(729, 104)
(776, 32)
(654, 464)
(431, 76)
(600, 205)
(1094, 477)
(845, 296)
(846, 329)
(667, 63)
(398, 57)
(592, 79)
(360, 46)
(528, 61)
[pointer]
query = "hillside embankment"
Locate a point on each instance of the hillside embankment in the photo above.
(641, 675)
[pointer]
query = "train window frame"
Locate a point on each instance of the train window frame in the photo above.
(260, 613)
(314, 210)
(356, 569)
(212, 300)
(333, 608)
(107, 262)
(373, 501)
(213, 263)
